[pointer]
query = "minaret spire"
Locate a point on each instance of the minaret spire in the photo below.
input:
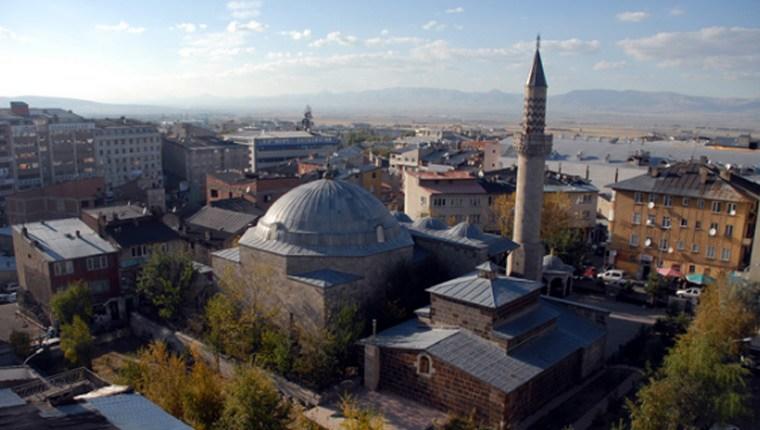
(532, 146)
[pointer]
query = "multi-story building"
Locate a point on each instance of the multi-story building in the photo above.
(53, 254)
(451, 197)
(191, 158)
(272, 148)
(258, 188)
(63, 200)
(127, 150)
(690, 217)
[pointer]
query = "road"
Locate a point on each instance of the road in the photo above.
(625, 319)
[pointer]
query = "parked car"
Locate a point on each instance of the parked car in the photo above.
(689, 293)
(589, 272)
(613, 276)
(8, 298)
(11, 287)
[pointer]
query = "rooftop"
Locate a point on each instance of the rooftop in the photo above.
(231, 254)
(144, 233)
(65, 239)
(118, 212)
(464, 234)
(214, 218)
(490, 292)
(325, 278)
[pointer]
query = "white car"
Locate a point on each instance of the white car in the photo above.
(613, 276)
(8, 298)
(689, 293)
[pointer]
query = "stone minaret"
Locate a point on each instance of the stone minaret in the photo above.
(532, 146)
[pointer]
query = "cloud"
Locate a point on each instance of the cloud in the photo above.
(677, 11)
(563, 47)
(282, 60)
(217, 45)
(637, 16)
(433, 25)
(336, 38)
(731, 49)
(121, 27)
(393, 40)
(384, 32)
(458, 9)
(244, 9)
(189, 27)
(7, 34)
(297, 35)
(251, 25)
(609, 65)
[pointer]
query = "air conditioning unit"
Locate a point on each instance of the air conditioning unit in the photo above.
(712, 232)
(651, 205)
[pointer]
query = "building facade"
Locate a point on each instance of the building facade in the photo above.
(272, 148)
(691, 217)
(259, 188)
(63, 200)
(127, 150)
(451, 197)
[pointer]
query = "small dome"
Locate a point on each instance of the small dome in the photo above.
(555, 264)
(327, 217)
(465, 229)
(401, 216)
(430, 223)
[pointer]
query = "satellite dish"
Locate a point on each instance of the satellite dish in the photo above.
(713, 232)
(651, 205)
(648, 242)
(670, 250)
(247, 189)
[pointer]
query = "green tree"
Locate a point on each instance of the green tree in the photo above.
(277, 351)
(358, 417)
(21, 343)
(701, 381)
(77, 342)
(75, 300)
(164, 280)
(222, 321)
(202, 396)
(252, 402)
(655, 285)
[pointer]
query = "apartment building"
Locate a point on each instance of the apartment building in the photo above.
(268, 149)
(189, 159)
(691, 217)
(62, 200)
(257, 188)
(127, 150)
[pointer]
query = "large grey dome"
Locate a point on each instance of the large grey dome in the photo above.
(327, 217)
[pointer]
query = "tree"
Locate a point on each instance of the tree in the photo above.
(164, 280)
(252, 402)
(203, 396)
(359, 418)
(701, 381)
(77, 342)
(21, 343)
(655, 285)
(222, 322)
(75, 300)
(160, 376)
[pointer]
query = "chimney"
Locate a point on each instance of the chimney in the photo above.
(25, 231)
(79, 235)
(654, 171)
(704, 174)
(617, 172)
(587, 171)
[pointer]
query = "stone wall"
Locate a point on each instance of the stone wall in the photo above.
(447, 388)
(452, 313)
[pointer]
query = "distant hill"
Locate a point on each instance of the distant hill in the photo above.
(586, 105)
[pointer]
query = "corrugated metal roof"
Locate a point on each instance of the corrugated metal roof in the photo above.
(490, 293)
(58, 240)
(535, 317)
(135, 412)
(232, 254)
(325, 278)
(461, 234)
(219, 219)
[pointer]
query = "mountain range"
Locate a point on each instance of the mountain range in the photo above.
(599, 105)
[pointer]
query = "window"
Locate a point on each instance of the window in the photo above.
(586, 214)
(634, 241)
(638, 198)
(698, 225)
(97, 263)
(729, 230)
(380, 234)
(684, 223)
(652, 197)
(680, 245)
(140, 251)
(651, 220)
(725, 254)
(692, 268)
(587, 198)
(666, 222)
(716, 207)
(710, 251)
(685, 202)
(636, 218)
(695, 248)
(423, 200)
(713, 226)
(100, 287)
(439, 202)
(424, 365)
(214, 193)
(731, 208)
(63, 268)
(663, 244)
(667, 201)
(700, 204)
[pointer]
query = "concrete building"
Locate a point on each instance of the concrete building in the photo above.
(450, 197)
(50, 255)
(532, 146)
(689, 217)
(261, 189)
(189, 159)
(127, 150)
(272, 148)
(323, 245)
(488, 345)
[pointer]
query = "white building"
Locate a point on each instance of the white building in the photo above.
(127, 150)
(272, 148)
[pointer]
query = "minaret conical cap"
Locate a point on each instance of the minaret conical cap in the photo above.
(537, 77)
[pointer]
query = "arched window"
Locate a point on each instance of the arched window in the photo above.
(380, 234)
(424, 365)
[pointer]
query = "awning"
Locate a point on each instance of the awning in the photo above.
(699, 279)
(669, 272)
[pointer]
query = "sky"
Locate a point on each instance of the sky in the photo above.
(159, 50)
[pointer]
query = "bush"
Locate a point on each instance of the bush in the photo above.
(21, 343)
(76, 300)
